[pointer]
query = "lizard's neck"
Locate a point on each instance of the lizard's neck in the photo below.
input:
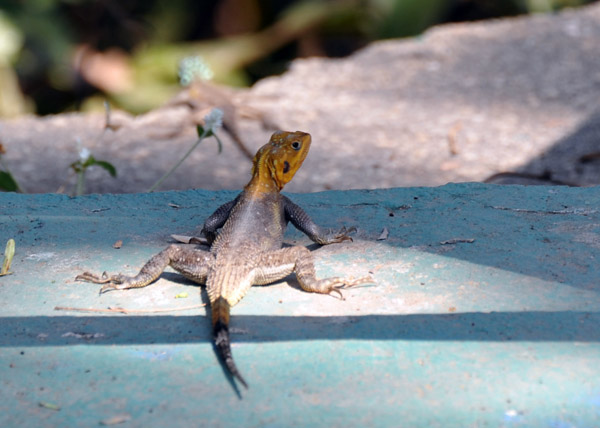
(263, 182)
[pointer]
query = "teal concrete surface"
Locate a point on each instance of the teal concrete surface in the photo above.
(485, 313)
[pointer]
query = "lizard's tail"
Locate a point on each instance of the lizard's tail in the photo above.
(220, 319)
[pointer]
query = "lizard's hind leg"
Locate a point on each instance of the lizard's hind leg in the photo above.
(299, 259)
(192, 263)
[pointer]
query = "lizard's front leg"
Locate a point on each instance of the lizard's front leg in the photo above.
(304, 223)
(193, 264)
(278, 264)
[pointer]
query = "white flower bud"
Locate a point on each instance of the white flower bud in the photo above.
(213, 120)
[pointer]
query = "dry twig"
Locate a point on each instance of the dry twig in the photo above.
(127, 311)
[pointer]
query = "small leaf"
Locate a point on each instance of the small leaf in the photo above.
(50, 406)
(458, 241)
(115, 420)
(7, 182)
(88, 162)
(202, 133)
(9, 253)
(219, 143)
(384, 234)
(183, 295)
(107, 166)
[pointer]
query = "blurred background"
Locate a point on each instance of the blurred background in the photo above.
(71, 55)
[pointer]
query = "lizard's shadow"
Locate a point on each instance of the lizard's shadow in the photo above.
(180, 279)
(177, 278)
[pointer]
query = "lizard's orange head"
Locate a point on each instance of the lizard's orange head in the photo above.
(281, 157)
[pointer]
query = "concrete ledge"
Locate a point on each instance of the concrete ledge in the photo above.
(485, 313)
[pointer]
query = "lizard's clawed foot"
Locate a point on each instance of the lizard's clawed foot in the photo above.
(343, 283)
(343, 235)
(111, 282)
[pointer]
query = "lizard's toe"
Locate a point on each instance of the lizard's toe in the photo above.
(90, 277)
(340, 284)
(338, 291)
(343, 234)
(359, 281)
(108, 286)
(349, 283)
(117, 282)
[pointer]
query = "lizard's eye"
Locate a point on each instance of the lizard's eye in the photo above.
(296, 145)
(286, 166)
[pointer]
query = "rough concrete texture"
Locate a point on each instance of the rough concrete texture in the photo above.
(485, 313)
(460, 103)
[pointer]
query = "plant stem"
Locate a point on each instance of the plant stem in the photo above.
(80, 183)
(161, 179)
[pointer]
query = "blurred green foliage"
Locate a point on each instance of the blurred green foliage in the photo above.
(7, 181)
(58, 55)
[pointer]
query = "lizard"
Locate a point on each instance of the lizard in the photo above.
(245, 237)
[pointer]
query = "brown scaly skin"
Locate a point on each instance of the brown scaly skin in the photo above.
(247, 249)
